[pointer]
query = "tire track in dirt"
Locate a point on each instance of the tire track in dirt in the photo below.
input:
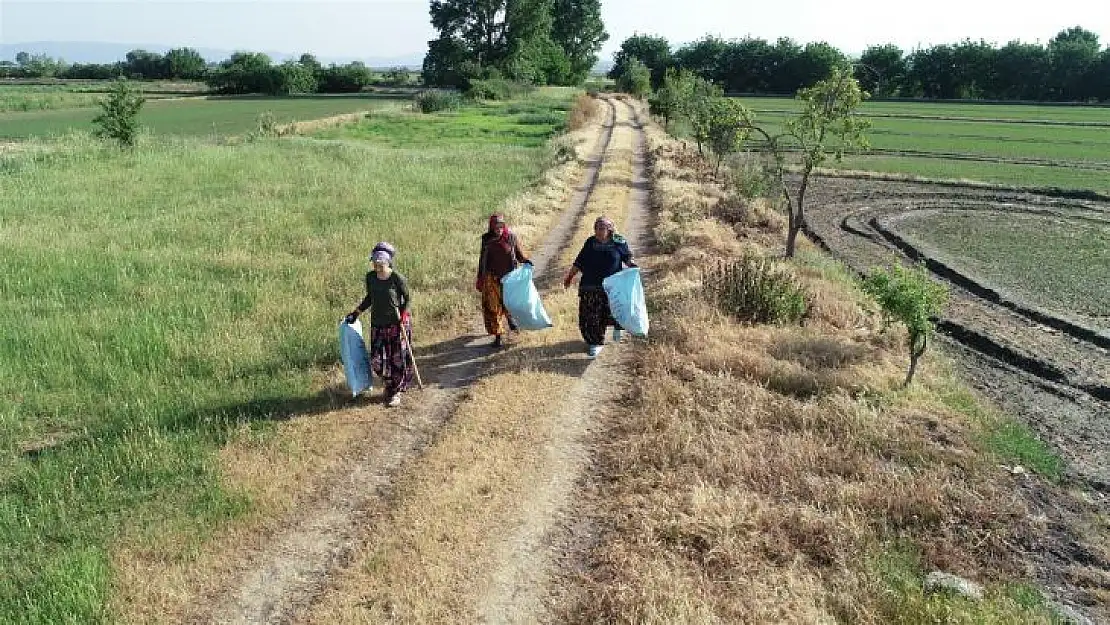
(520, 590)
(1047, 369)
(284, 579)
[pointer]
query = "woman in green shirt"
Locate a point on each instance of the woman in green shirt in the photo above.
(387, 297)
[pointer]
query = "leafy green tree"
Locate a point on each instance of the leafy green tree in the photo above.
(350, 78)
(729, 126)
(669, 100)
(1022, 71)
(827, 126)
(653, 52)
(577, 29)
(245, 72)
(635, 79)
(881, 70)
(699, 111)
(908, 296)
(119, 116)
(705, 58)
(292, 78)
(145, 64)
(1075, 55)
(503, 34)
(185, 63)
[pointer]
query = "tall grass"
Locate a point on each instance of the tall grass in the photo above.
(149, 300)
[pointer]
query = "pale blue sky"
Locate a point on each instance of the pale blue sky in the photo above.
(364, 28)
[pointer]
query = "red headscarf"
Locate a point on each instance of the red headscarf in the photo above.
(498, 218)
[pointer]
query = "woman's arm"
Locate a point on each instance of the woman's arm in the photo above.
(403, 291)
(521, 257)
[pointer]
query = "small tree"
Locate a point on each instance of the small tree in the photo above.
(909, 296)
(826, 126)
(697, 108)
(668, 101)
(635, 79)
(119, 117)
(729, 126)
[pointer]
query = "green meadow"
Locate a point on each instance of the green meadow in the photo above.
(152, 300)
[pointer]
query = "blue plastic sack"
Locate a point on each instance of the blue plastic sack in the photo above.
(626, 300)
(356, 363)
(522, 300)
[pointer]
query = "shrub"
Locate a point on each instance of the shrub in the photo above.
(584, 109)
(911, 297)
(635, 79)
(350, 78)
(757, 290)
(434, 100)
(498, 89)
(119, 116)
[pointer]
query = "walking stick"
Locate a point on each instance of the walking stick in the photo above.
(406, 338)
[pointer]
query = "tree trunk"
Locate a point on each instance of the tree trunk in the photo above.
(797, 214)
(915, 355)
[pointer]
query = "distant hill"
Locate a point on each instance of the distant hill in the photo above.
(98, 52)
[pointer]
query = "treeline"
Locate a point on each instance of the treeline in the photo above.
(243, 72)
(1072, 67)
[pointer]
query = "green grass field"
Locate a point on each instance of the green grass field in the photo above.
(26, 96)
(1017, 112)
(195, 116)
(976, 142)
(1045, 271)
(151, 300)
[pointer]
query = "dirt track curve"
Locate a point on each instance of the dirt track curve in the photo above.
(1051, 367)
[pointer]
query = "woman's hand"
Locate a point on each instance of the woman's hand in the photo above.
(351, 316)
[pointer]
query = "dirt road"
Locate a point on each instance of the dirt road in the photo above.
(318, 567)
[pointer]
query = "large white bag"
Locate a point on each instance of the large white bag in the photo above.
(522, 300)
(356, 363)
(626, 300)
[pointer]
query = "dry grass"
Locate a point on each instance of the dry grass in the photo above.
(586, 108)
(283, 469)
(779, 475)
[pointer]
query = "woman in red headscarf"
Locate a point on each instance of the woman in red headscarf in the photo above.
(501, 252)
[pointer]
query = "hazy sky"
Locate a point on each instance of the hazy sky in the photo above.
(398, 27)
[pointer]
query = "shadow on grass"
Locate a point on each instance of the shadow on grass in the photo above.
(450, 364)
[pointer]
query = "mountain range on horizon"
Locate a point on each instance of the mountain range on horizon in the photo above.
(104, 52)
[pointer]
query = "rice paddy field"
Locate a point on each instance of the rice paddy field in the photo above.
(154, 300)
(1020, 145)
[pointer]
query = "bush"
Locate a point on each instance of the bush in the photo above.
(350, 78)
(911, 297)
(585, 108)
(119, 116)
(757, 290)
(498, 89)
(434, 100)
(635, 79)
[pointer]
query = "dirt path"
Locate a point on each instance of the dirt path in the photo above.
(281, 581)
(545, 529)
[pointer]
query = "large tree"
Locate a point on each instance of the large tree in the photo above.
(1075, 56)
(881, 69)
(577, 29)
(493, 37)
(184, 63)
(653, 52)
